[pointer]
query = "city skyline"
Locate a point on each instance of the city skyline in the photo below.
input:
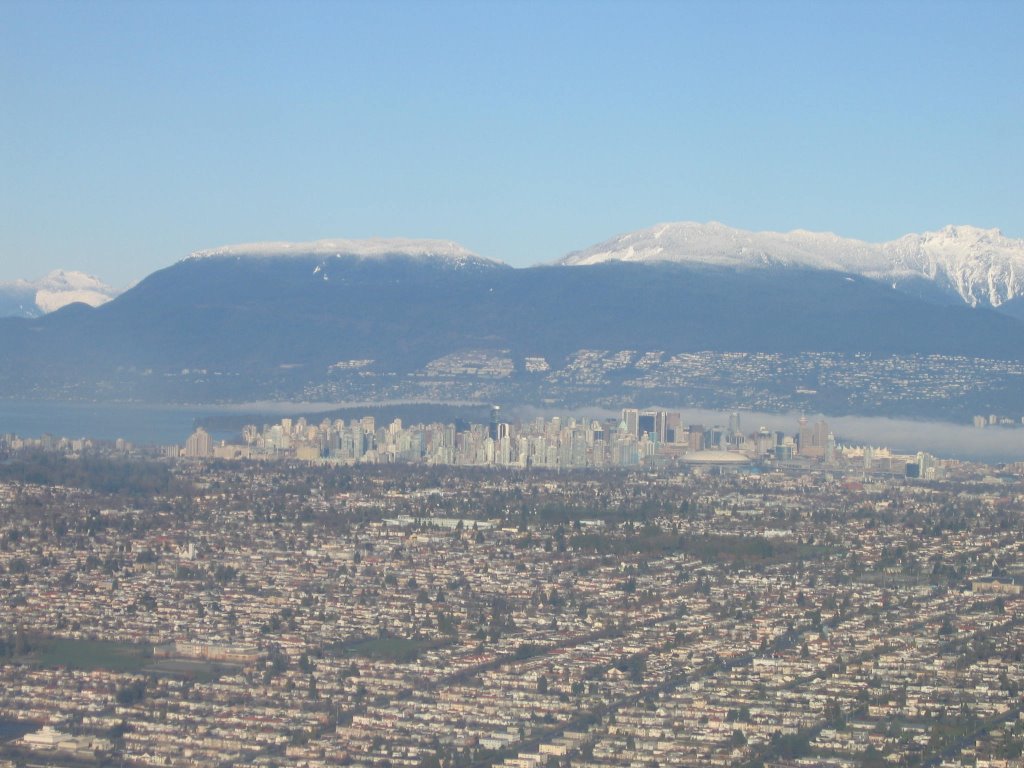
(655, 438)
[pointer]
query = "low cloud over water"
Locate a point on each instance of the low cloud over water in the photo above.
(943, 439)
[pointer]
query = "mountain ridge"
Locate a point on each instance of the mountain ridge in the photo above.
(957, 263)
(347, 329)
(982, 267)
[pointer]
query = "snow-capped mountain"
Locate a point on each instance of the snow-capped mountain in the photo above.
(32, 298)
(445, 251)
(982, 267)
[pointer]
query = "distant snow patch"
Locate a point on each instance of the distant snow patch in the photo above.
(372, 248)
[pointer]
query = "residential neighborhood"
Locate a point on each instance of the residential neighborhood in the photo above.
(293, 614)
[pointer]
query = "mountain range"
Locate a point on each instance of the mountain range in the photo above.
(699, 313)
(981, 267)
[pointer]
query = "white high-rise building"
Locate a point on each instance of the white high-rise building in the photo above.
(199, 444)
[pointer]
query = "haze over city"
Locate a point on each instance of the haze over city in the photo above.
(511, 384)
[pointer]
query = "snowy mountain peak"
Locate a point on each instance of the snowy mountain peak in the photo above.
(31, 298)
(981, 266)
(967, 232)
(60, 288)
(717, 244)
(445, 251)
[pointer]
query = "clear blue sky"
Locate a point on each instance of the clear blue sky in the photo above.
(132, 133)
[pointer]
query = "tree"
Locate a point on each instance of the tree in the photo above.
(834, 713)
(131, 694)
(21, 643)
(872, 758)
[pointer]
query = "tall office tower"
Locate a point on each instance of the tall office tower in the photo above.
(820, 439)
(611, 429)
(199, 444)
(495, 417)
(360, 440)
(813, 440)
(696, 437)
(804, 435)
(537, 451)
(286, 426)
(565, 450)
(551, 458)
(578, 449)
(645, 425)
(734, 422)
(522, 451)
(631, 417)
(715, 438)
(673, 428)
(368, 424)
(926, 464)
(661, 426)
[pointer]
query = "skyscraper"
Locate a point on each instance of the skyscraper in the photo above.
(631, 416)
(199, 444)
(495, 418)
